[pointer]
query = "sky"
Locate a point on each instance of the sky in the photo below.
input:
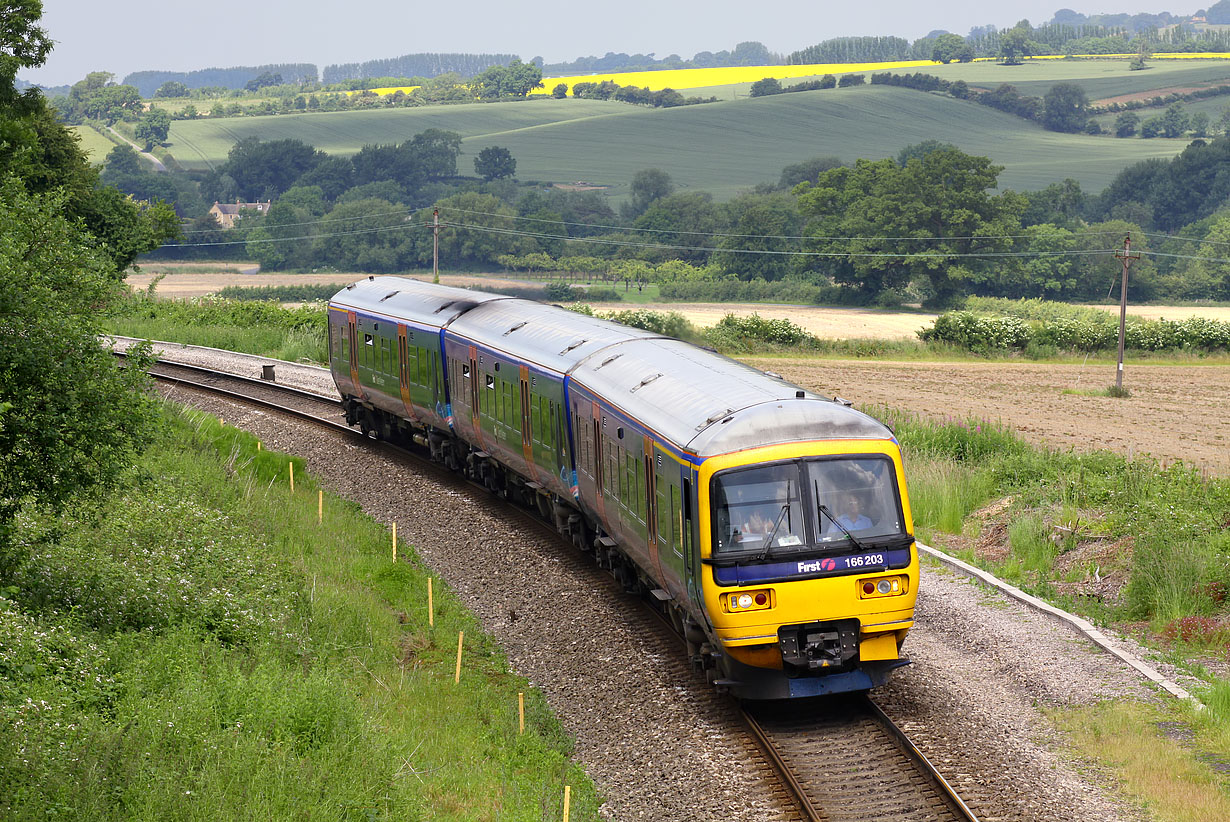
(122, 36)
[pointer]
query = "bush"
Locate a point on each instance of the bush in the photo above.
(672, 324)
(559, 292)
(979, 334)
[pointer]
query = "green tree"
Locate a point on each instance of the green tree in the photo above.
(859, 215)
(560, 91)
(263, 80)
(759, 223)
(648, 184)
(1198, 124)
(1152, 127)
(1016, 44)
(1174, 121)
(806, 171)
(153, 127)
(687, 220)
(1126, 124)
(917, 151)
(1065, 108)
(517, 79)
(466, 237)
(172, 88)
(494, 163)
(74, 417)
(766, 87)
(950, 47)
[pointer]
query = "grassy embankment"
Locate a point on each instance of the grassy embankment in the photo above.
(1064, 521)
(196, 646)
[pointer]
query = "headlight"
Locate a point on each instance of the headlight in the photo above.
(883, 587)
(749, 601)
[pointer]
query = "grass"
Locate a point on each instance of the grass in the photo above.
(95, 144)
(198, 647)
(1172, 779)
(722, 148)
(1112, 391)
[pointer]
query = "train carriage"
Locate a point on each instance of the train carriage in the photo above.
(771, 523)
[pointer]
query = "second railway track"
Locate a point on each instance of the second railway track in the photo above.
(841, 759)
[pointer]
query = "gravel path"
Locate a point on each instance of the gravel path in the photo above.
(984, 666)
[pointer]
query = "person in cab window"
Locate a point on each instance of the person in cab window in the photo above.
(852, 518)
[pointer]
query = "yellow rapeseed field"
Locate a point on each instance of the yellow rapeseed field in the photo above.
(684, 79)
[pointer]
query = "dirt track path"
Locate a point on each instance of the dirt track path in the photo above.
(1175, 412)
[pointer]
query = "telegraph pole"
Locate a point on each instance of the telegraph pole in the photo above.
(1127, 256)
(435, 249)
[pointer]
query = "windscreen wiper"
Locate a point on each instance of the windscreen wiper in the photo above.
(764, 551)
(824, 509)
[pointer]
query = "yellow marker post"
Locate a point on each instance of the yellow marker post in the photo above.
(431, 611)
(461, 635)
(567, 800)
(395, 542)
(320, 506)
(292, 478)
(521, 711)
(258, 445)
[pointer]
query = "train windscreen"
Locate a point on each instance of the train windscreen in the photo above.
(801, 505)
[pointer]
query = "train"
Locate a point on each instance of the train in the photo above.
(769, 523)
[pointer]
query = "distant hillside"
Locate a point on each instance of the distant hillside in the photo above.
(417, 65)
(236, 77)
(722, 148)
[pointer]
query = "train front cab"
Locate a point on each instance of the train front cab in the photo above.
(813, 612)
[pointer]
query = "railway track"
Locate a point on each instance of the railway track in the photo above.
(834, 759)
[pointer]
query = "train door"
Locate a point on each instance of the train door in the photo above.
(478, 429)
(403, 371)
(599, 468)
(352, 335)
(649, 500)
(688, 543)
(436, 399)
(527, 441)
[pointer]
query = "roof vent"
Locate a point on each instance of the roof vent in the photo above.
(843, 401)
(773, 374)
(609, 360)
(578, 342)
(390, 294)
(515, 327)
(645, 382)
(350, 286)
(798, 395)
(371, 278)
(723, 413)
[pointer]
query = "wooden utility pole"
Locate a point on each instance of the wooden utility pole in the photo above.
(435, 245)
(1127, 256)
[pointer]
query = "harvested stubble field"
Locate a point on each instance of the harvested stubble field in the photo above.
(1174, 412)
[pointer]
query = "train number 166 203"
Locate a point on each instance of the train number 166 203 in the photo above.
(864, 560)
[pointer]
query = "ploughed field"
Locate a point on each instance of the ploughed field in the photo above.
(1174, 412)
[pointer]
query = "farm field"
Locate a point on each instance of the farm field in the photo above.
(722, 148)
(93, 143)
(1174, 412)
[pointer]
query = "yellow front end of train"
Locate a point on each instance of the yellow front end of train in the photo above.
(810, 572)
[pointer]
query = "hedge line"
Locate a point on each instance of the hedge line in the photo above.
(968, 330)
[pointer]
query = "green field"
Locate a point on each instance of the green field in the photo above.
(92, 143)
(722, 148)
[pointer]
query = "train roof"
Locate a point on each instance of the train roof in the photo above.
(701, 401)
(708, 404)
(414, 300)
(543, 334)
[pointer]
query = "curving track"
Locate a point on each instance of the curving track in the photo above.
(834, 759)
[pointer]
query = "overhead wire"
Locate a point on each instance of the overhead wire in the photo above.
(657, 246)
